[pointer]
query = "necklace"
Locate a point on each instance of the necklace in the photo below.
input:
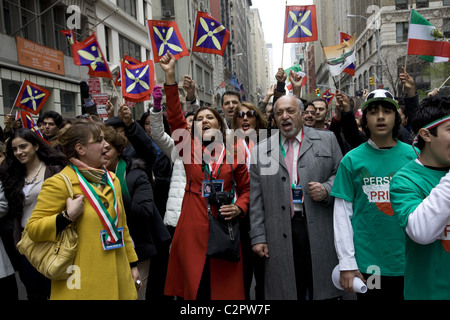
(35, 175)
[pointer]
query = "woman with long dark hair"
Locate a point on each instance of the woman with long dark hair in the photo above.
(29, 161)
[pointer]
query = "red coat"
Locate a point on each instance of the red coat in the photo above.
(188, 251)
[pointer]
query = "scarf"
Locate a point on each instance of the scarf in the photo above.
(97, 177)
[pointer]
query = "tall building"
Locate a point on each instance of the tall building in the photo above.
(381, 28)
(258, 86)
(46, 58)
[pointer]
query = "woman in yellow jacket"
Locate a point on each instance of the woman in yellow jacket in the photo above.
(104, 265)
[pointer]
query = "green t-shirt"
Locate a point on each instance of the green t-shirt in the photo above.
(427, 266)
(363, 178)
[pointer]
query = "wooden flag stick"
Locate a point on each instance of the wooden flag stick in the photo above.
(189, 65)
(443, 83)
(284, 33)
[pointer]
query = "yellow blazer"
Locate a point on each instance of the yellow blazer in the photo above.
(99, 274)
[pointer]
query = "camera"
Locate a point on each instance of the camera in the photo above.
(220, 198)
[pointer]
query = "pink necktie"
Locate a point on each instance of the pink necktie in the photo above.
(289, 159)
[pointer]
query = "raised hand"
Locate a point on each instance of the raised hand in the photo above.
(189, 87)
(167, 64)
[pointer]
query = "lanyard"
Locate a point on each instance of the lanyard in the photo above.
(121, 174)
(283, 151)
(109, 223)
(214, 172)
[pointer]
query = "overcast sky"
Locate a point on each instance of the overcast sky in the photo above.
(272, 14)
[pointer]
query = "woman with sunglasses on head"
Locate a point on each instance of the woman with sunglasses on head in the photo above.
(247, 123)
(105, 261)
(191, 274)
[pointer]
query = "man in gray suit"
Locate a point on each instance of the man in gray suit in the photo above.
(291, 210)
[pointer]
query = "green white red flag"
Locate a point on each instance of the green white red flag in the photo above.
(426, 41)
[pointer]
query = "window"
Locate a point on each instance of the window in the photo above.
(67, 104)
(107, 46)
(129, 6)
(402, 31)
(168, 8)
(446, 28)
(129, 47)
(422, 3)
(401, 4)
(446, 3)
(10, 91)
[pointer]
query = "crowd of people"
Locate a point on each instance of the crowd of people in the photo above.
(366, 190)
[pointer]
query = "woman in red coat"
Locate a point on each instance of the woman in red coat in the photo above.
(191, 274)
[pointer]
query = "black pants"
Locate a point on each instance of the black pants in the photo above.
(302, 257)
(37, 285)
(391, 288)
(9, 291)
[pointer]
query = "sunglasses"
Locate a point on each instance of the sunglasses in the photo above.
(249, 114)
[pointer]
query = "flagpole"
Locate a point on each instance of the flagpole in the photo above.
(443, 83)
(189, 65)
(284, 33)
(16, 98)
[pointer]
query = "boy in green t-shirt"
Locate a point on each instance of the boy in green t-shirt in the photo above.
(367, 236)
(420, 196)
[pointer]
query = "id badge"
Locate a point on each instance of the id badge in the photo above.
(109, 245)
(297, 194)
(207, 187)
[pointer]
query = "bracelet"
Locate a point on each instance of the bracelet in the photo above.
(66, 215)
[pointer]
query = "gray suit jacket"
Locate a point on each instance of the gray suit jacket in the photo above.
(270, 215)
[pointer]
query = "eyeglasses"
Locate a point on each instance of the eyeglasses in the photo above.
(249, 114)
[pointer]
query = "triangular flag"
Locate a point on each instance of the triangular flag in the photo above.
(138, 80)
(328, 96)
(31, 97)
(425, 40)
(209, 36)
(300, 24)
(165, 36)
(88, 53)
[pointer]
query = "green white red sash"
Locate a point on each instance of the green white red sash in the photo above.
(109, 223)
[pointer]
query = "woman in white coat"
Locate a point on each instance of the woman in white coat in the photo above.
(166, 144)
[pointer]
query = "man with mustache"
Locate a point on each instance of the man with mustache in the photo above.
(291, 217)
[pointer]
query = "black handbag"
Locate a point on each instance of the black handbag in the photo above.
(224, 235)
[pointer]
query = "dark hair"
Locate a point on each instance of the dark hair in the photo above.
(188, 114)
(146, 114)
(384, 104)
(80, 131)
(261, 122)
(54, 115)
(222, 126)
(114, 139)
(322, 100)
(230, 93)
(12, 172)
(430, 109)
